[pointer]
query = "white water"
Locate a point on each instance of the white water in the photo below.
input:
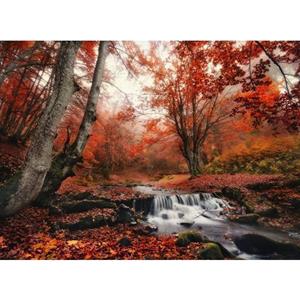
(202, 211)
(186, 208)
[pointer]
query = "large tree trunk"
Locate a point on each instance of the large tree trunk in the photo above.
(194, 164)
(63, 164)
(25, 187)
(192, 157)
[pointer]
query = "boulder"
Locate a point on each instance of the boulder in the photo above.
(269, 212)
(261, 245)
(187, 237)
(146, 229)
(262, 186)
(245, 219)
(210, 251)
(232, 193)
(125, 215)
(125, 242)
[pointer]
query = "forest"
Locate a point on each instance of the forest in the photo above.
(149, 150)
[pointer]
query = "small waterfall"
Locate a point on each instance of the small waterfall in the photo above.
(186, 204)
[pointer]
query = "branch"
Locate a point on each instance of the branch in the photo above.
(277, 64)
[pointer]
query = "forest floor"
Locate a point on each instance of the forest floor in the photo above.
(30, 234)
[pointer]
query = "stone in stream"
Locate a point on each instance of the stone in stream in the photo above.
(164, 216)
(180, 215)
(187, 223)
(210, 251)
(187, 237)
(261, 245)
(146, 229)
(244, 219)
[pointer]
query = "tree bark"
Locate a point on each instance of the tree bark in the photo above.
(63, 164)
(25, 187)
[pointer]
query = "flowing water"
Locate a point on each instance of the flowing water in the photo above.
(174, 212)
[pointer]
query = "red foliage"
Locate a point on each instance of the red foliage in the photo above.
(27, 236)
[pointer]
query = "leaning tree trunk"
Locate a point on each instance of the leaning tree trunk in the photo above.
(63, 164)
(25, 187)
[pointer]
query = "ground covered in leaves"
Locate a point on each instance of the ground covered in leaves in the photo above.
(28, 236)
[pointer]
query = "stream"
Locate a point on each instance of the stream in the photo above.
(173, 212)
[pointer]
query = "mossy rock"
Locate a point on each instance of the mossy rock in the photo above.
(233, 193)
(210, 251)
(187, 237)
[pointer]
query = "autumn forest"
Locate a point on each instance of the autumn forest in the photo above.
(150, 150)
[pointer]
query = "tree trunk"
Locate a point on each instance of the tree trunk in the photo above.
(192, 158)
(25, 187)
(63, 164)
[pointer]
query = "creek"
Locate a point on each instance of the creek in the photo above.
(173, 212)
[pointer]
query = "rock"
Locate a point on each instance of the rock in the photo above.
(125, 241)
(262, 186)
(146, 229)
(187, 237)
(83, 223)
(232, 193)
(164, 216)
(270, 212)
(187, 223)
(151, 228)
(84, 205)
(261, 245)
(295, 183)
(125, 215)
(245, 219)
(80, 196)
(210, 251)
(55, 210)
(180, 215)
(294, 202)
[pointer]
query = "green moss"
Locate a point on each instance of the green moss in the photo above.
(210, 251)
(187, 237)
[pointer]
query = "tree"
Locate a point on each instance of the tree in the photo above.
(193, 94)
(62, 165)
(25, 89)
(23, 188)
(265, 57)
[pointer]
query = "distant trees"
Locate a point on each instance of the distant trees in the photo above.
(26, 81)
(269, 57)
